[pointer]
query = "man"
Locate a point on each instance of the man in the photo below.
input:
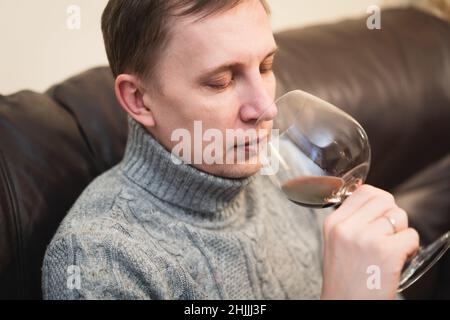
(154, 228)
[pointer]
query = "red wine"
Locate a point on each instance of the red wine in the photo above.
(313, 191)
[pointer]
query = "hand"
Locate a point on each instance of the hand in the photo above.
(359, 235)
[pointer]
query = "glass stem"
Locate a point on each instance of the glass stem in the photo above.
(423, 260)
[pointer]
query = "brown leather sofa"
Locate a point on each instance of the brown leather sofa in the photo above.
(394, 81)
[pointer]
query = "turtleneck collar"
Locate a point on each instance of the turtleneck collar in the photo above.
(148, 164)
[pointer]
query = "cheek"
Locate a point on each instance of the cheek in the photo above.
(271, 85)
(222, 121)
(219, 110)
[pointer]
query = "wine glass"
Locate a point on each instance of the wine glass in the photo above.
(320, 156)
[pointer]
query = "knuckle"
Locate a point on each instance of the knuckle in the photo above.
(385, 200)
(341, 232)
(377, 193)
(415, 238)
(403, 216)
(367, 188)
(388, 197)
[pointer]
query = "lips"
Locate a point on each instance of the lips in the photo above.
(253, 142)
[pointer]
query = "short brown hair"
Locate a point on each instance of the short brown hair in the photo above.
(137, 31)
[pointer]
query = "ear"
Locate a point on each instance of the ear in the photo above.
(133, 99)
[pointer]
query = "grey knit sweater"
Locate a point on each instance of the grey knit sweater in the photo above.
(150, 229)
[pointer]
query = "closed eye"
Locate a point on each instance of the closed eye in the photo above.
(267, 65)
(218, 86)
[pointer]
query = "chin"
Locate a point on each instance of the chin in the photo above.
(241, 171)
(233, 171)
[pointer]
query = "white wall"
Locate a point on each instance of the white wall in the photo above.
(292, 13)
(37, 49)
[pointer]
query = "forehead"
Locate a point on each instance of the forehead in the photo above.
(242, 32)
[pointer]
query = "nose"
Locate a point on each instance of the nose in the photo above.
(259, 104)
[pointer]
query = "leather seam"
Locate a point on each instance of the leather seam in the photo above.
(11, 200)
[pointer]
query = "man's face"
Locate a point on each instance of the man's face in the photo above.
(218, 71)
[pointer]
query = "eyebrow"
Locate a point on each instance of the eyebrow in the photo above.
(228, 66)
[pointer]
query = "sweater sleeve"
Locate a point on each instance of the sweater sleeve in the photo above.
(101, 266)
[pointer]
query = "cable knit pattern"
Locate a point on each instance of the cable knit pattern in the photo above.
(151, 229)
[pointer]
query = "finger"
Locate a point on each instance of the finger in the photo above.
(350, 205)
(407, 241)
(382, 226)
(372, 210)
